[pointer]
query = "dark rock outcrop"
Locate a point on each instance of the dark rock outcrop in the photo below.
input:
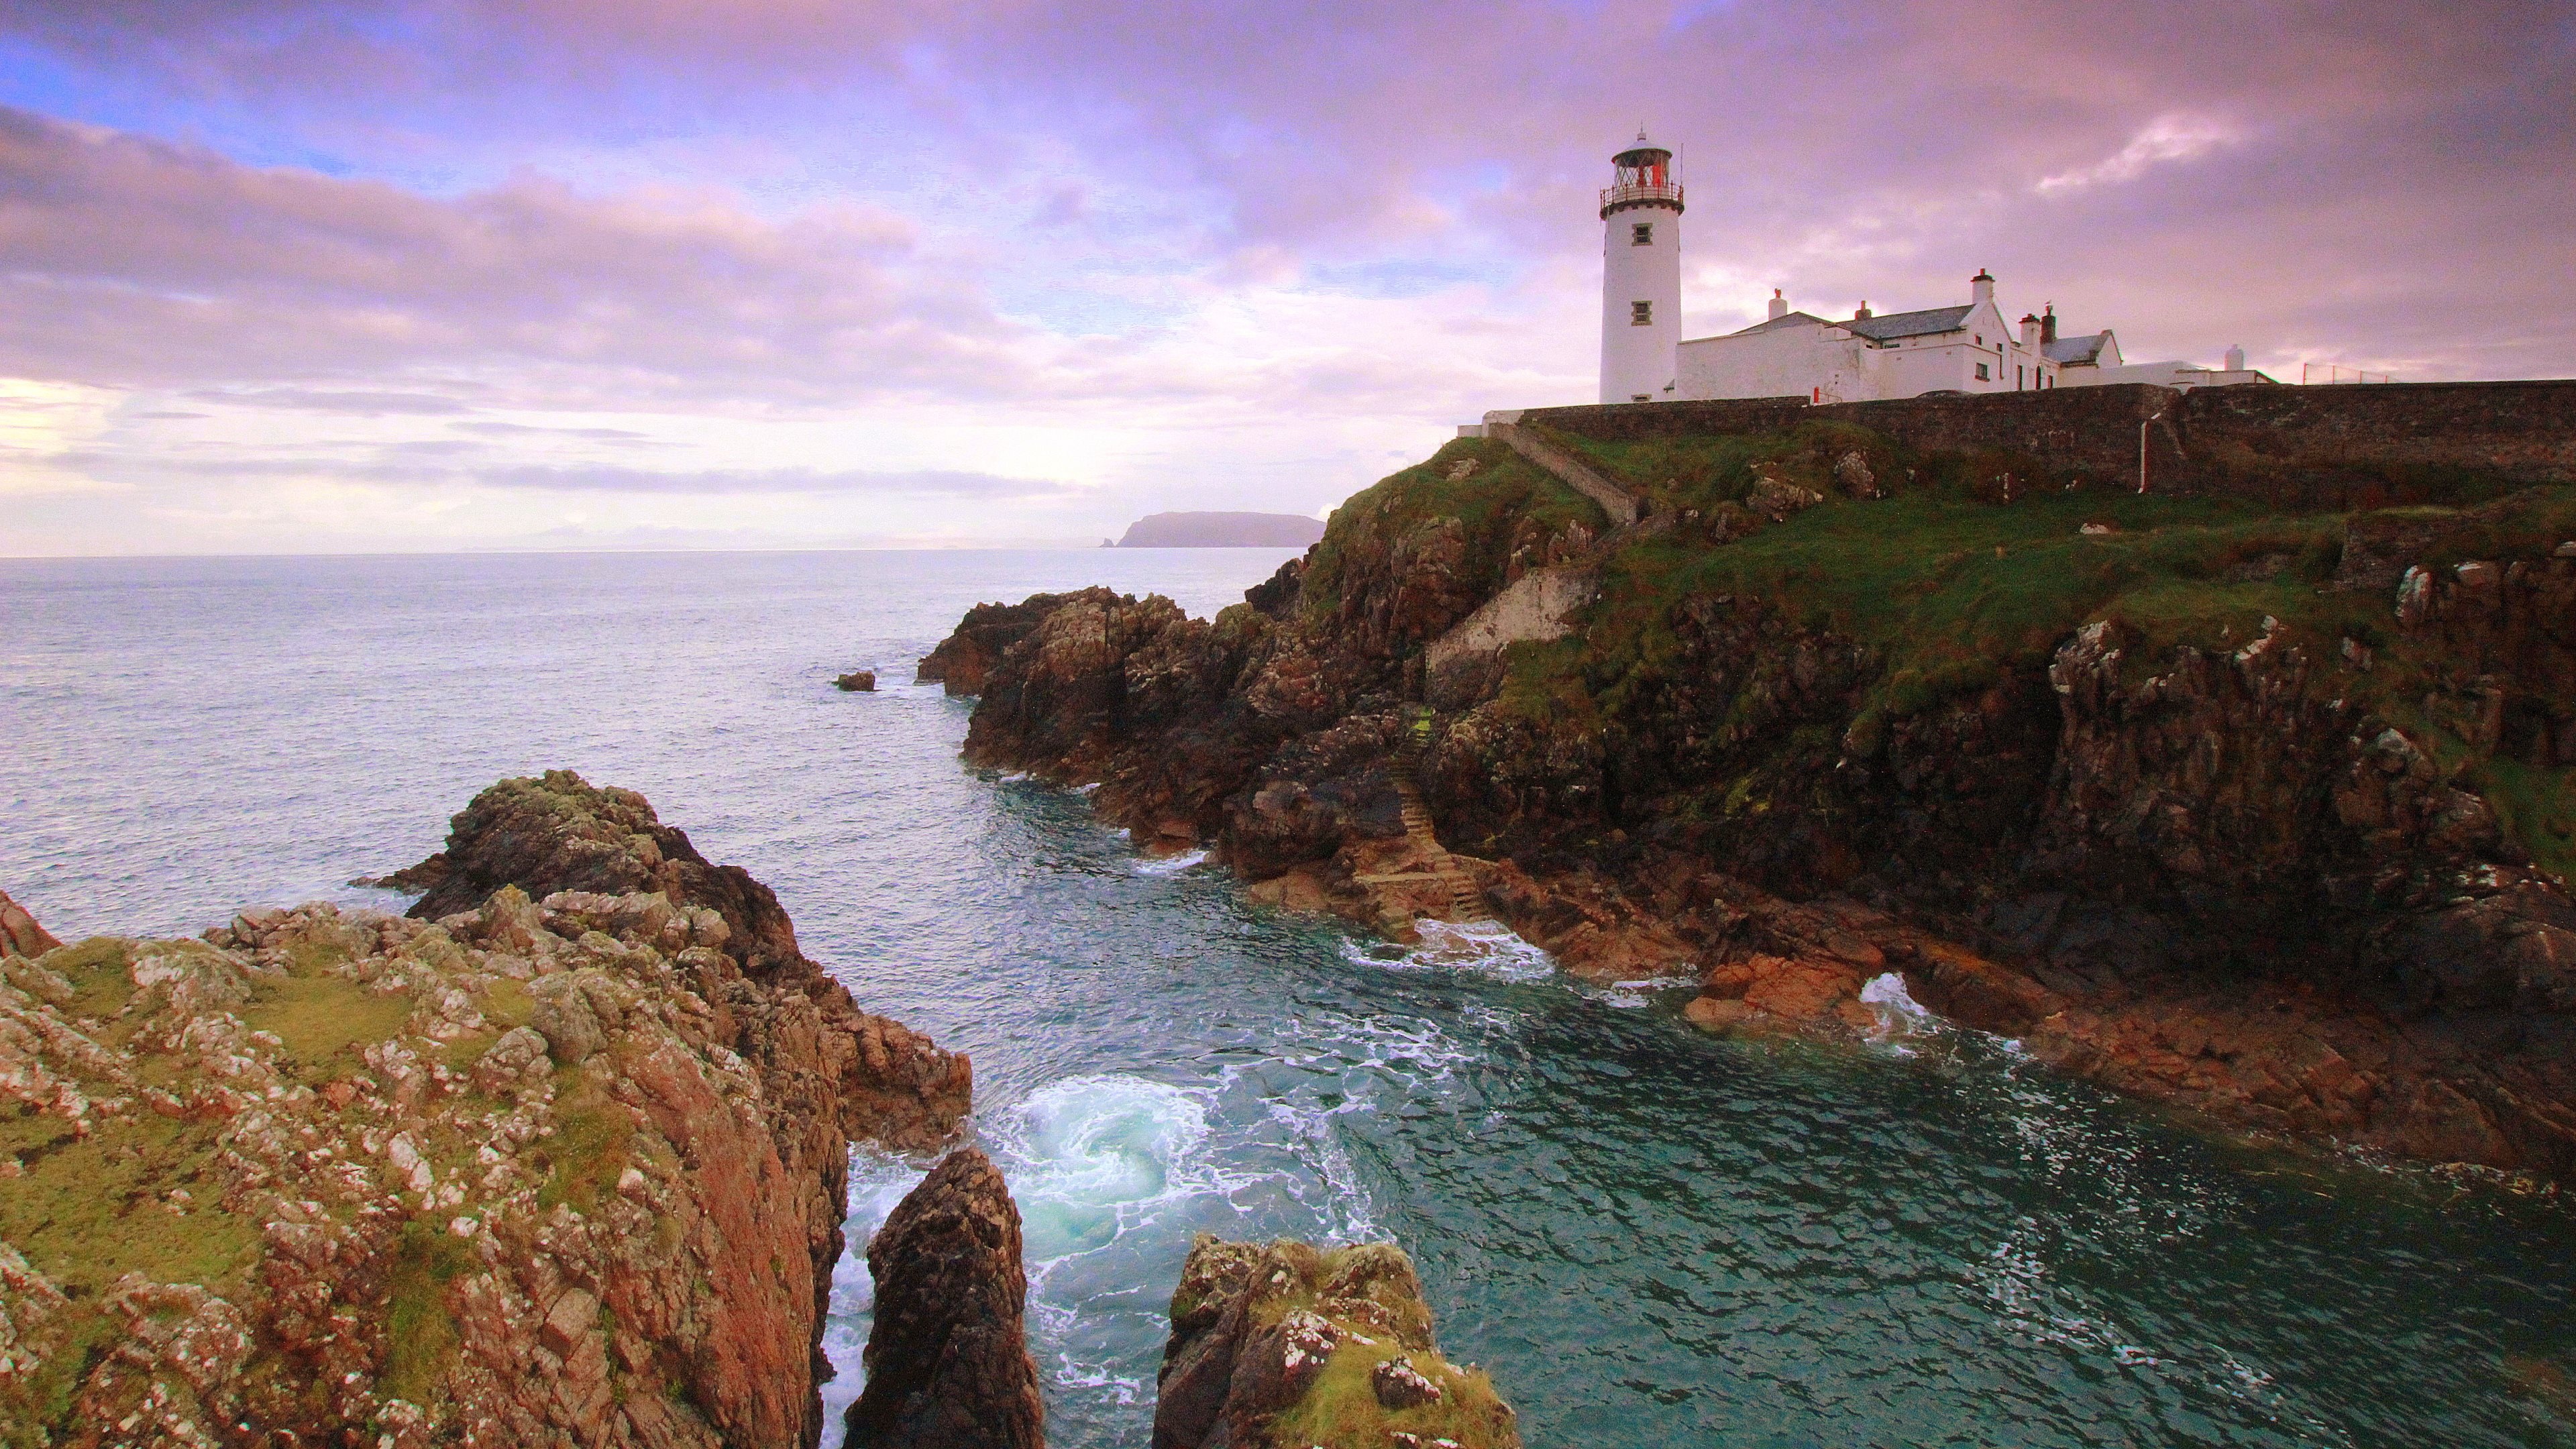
(966, 657)
(558, 832)
(2335, 842)
(948, 1365)
(857, 681)
(1288, 1345)
(558, 1171)
(19, 933)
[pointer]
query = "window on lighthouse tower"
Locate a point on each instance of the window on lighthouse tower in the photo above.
(1642, 234)
(1641, 314)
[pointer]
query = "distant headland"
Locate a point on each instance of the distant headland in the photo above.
(1221, 530)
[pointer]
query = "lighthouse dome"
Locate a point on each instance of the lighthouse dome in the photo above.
(1642, 152)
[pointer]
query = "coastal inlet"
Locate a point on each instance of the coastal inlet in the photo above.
(1646, 1235)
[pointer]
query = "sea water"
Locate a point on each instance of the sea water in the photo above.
(1651, 1237)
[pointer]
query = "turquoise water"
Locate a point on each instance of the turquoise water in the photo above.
(1650, 1237)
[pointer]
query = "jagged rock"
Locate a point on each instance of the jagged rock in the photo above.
(857, 681)
(2084, 829)
(948, 1365)
(19, 933)
(965, 659)
(1254, 1329)
(561, 839)
(405, 1223)
(1399, 1385)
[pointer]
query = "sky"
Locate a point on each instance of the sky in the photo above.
(323, 276)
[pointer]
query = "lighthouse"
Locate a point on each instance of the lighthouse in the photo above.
(1641, 275)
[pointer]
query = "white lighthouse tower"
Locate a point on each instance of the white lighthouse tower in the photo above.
(1641, 275)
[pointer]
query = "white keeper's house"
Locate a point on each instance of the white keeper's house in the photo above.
(1965, 348)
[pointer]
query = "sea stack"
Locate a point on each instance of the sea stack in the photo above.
(948, 1363)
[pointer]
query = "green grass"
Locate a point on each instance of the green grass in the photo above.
(325, 1021)
(1952, 592)
(1495, 499)
(1949, 584)
(2537, 806)
(420, 1331)
(593, 1142)
(1340, 1410)
(36, 1410)
(100, 972)
(87, 1211)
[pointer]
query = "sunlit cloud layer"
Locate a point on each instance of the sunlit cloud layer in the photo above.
(286, 276)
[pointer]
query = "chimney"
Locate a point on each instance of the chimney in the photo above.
(2048, 324)
(1863, 314)
(2236, 358)
(1982, 285)
(2029, 332)
(1779, 305)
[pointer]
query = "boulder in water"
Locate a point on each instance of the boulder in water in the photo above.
(1287, 1345)
(857, 681)
(948, 1361)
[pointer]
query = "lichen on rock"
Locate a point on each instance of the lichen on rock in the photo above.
(565, 1169)
(1286, 1344)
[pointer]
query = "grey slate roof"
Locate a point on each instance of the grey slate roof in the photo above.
(1890, 326)
(1789, 319)
(2077, 351)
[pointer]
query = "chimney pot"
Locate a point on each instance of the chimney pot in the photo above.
(1779, 304)
(2048, 324)
(1982, 285)
(1862, 315)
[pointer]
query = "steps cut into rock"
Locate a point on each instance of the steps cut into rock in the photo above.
(1466, 898)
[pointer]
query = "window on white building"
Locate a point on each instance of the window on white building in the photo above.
(1981, 373)
(1641, 314)
(1642, 234)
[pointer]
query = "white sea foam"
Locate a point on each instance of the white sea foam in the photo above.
(877, 1183)
(1090, 1157)
(1170, 864)
(1899, 1015)
(1487, 948)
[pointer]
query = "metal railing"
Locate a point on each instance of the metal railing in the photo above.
(2327, 372)
(1614, 197)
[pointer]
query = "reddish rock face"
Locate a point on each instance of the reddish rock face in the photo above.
(947, 1360)
(19, 933)
(2094, 845)
(561, 833)
(965, 659)
(567, 1171)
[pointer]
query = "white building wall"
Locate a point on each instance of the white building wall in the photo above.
(1818, 362)
(1640, 361)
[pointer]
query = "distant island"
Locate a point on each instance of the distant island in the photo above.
(1221, 530)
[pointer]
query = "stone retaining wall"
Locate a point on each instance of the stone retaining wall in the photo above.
(2339, 446)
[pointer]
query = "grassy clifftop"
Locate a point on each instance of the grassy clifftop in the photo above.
(1954, 571)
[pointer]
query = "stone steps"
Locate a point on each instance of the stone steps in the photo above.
(1466, 898)
(1573, 472)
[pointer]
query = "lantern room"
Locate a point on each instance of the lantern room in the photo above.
(1644, 177)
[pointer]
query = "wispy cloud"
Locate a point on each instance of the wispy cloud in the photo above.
(2165, 139)
(1167, 253)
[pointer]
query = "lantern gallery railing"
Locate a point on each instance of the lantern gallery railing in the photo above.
(1615, 197)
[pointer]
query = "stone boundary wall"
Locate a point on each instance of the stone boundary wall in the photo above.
(2292, 445)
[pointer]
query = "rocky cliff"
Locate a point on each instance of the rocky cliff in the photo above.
(558, 1168)
(1290, 1345)
(948, 1364)
(2262, 812)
